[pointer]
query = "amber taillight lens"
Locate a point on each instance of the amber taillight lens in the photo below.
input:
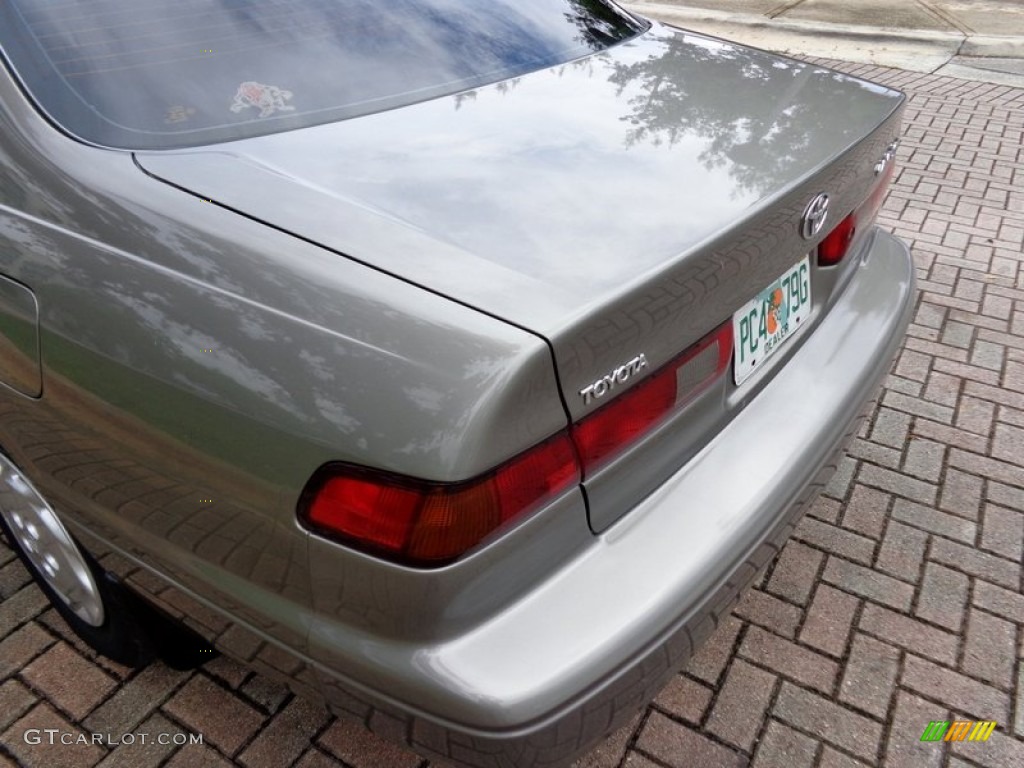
(429, 524)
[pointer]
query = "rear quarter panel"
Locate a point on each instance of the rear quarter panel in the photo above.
(198, 367)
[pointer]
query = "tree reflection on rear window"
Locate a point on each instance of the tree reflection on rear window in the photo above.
(155, 74)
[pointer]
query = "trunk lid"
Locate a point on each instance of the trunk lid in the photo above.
(624, 203)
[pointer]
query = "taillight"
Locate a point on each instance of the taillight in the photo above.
(425, 523)
(833, 248)
(613, 427)
(837, 242)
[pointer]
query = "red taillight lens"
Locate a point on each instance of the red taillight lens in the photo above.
(837, 242)
(625, 418)
(833, 248)
(424, 523)
(353, 504)
(615, 426)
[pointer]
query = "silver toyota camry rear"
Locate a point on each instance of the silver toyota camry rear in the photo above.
(457, 363)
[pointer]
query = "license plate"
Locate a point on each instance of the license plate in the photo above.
(765, 322)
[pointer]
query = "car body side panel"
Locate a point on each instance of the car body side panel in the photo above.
(198, 367)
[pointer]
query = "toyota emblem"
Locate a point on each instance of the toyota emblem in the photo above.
(814, 216)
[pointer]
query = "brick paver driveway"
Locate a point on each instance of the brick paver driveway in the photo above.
(898, 602)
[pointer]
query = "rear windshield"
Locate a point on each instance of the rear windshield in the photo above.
(154, 74)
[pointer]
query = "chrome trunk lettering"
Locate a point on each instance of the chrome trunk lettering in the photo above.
(610, 381)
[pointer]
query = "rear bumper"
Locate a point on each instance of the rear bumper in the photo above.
(558, 669)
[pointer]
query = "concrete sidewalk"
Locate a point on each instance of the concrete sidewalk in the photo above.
(971, 39)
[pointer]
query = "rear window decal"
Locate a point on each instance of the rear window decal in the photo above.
(267, 98)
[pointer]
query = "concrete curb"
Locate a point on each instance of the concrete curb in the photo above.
(992, 46)
(914, 50)
(759, 21)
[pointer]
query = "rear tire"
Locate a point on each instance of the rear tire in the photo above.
(93, 602)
